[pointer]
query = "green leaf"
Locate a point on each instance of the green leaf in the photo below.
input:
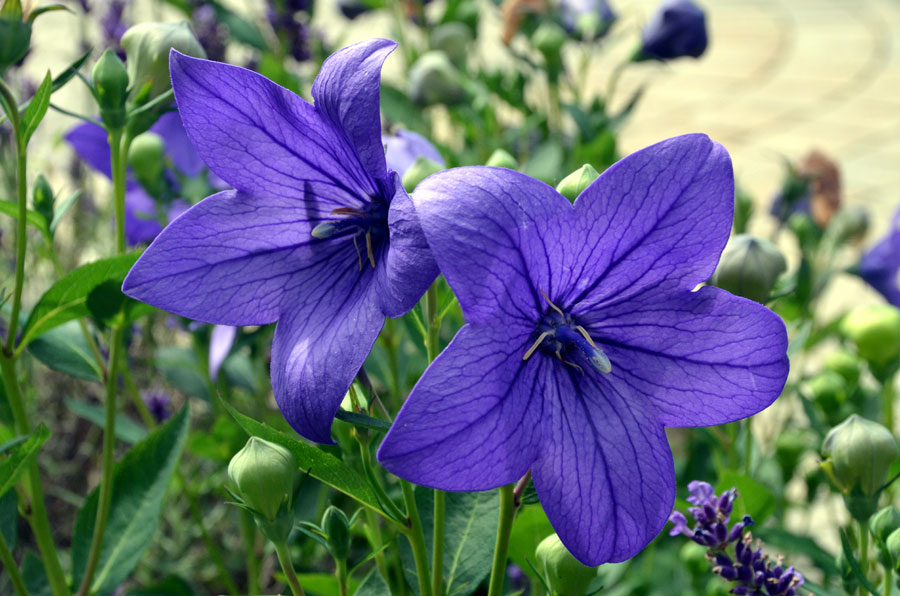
(854, 565)
(15, 464)
(529, 529)
(373, 585)
(320, 465)
(15, 441)
(34, 576)
(37, 107)
(60, 211)
(69, 73)
(170, 586)
(139, 486)
(238, 369)
(786, 541)
(32, 218)
(180, 367)
(67, 299)
(756, 500)
(470, 528)
(243, 30)
(65, 349)
(323, 584)
(357, 419)
(127, 430)
(9, 518)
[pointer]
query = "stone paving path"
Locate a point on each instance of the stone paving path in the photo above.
(782, 77)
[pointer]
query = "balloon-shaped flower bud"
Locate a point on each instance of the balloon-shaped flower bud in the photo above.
(572, 185)
(433, 79)
(15, 34)
(42, 198)
(563, 572)
(678, 28)
(875, 330)
(147, 48)
(110, 79)
(263, 477)
(421, 169)
(749, 267)
(548, 39)
(845, 364)
(146, 156)
(454, 39)
(337, 528)
(501, 158)
(858, 456)
(893, 549)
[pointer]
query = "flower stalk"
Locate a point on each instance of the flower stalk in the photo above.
(284, 557)
(432, 335)
(416, 539)
(15, 577)
(863, 553)
(501, 547)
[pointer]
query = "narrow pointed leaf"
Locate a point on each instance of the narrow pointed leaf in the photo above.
(127, 430)
(13, 466)
(63, 208)
(32, 218)
(139, 487)
(372, 585)
(37, 107)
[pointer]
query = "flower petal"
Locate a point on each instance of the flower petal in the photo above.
(408, 268)
(661, 215)
(229, 260)
(347, 92)
(141, 222)
(320, 345)
(495, 235)
(91, 144)
(880, 266)
(261, 138)
(701, 358)
(473, 421)
(605, 476)
(178, 145)
(221, 339)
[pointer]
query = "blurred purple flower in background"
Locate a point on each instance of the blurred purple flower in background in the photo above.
(221, 338)
(113, 26)
(880, 266)
(404, 147)
(159, 404)
(584, 340)
(317, 234)
(209, 31)
(676, 29)
(591, 17)
(290, 21)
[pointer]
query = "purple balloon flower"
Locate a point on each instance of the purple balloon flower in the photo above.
(678, 28)
(403, 148)
(317, 235)
(584, 340)
(141, 221)
(880, 267)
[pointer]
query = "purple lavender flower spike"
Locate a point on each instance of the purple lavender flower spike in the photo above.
(403, 148)
(317, 235)
(880, 266)
(584, 340)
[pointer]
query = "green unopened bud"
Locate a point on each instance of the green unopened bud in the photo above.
(147, 49)
(749, 267)
(421, 169)
(263, 476)
(845, 364)
(858, 455)
(564, 573)
(110, 79)
(433, 79)
(549, 39)
(454, 39)
(337, 528)
(146, 156)
(828, 389)
(15, 34)
(572, 185)
(876, 332)
(850, 223)
(893, 548)
(885, 522)
(42, 199)
(501, 158)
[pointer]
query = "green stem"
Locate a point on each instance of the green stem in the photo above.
(284, 557)
(341, 572)
(416, 538)
(886, 589)
(251, 561)
(376, 541)
(437, 546)
(6, 557)
(386, 501)
(118, 146)
(12, 108)
(863, 553)
(887, 402)
(501, 547)
(40, 523)
(748, 446)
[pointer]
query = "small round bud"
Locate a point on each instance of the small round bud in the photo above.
(565, 574)
(337, 528)
(858, 455)
(454, 39)
(263, 475)
(146, 156)
(893, 548)
(42, 199)
(501, 158)
(421, 169)
(433, 79)
(845, 364)
(749, 267)
(876, 332)
(147, 49)
(549, 39)
(110, 79)
(829, 390)
(574, 184)
(15, 34)
(885, 522)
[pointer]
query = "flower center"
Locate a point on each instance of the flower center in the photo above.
(367, 224)
(557, 333)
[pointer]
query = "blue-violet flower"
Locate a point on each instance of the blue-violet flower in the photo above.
(880, 266)
(676, 29)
